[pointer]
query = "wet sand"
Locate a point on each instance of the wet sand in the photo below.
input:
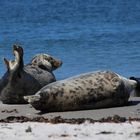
(130, 111)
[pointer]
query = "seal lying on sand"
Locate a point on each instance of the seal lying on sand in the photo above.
(87, 91)
(20, 80)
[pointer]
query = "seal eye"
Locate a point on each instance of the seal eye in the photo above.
(50, 59)
(34, 62)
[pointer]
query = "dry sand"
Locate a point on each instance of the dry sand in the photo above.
(84, 131)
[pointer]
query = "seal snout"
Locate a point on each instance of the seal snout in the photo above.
(57, 63)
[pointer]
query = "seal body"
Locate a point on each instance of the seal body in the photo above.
(21, 80)
(87, 91)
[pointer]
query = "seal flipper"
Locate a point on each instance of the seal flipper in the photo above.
(137, 80)
(6, 63)
(138, 85)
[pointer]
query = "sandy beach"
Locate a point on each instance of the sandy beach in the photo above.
(28, 123)
(132, 110)
(86, 131)
(76, 129)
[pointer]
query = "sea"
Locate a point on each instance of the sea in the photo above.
(87, 35)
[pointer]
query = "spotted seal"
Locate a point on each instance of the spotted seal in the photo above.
(87, 91)
(20, 80)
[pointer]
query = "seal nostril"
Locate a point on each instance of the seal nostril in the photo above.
(57, 64)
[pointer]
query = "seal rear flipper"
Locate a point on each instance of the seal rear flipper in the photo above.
(138, 85)
(137, 80)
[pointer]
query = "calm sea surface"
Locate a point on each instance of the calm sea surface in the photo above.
(87, 35)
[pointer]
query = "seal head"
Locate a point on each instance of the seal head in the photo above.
(46, 62)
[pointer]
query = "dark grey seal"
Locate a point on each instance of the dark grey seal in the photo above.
(20, 80)
(87, 91)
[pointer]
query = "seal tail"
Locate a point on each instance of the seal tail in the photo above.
(32, 98)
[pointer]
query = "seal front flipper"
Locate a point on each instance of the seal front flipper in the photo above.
(6, 61)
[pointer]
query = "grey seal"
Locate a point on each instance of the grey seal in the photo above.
(92, 90)
(20, 80)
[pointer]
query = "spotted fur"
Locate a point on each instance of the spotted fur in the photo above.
(46, 62)
(87, 91)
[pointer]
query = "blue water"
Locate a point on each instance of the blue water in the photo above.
(87, 35)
